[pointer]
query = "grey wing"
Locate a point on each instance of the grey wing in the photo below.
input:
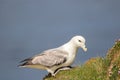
(50, 58)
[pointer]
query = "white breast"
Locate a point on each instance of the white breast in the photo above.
(71, 57)
(71, 50)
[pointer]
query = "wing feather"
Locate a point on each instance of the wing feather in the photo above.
(50, 58)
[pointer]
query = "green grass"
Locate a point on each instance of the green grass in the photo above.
(99, 68)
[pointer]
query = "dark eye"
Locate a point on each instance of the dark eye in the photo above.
(79, 40)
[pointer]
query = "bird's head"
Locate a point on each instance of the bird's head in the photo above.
(79, 42)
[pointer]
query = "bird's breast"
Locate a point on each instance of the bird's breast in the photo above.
(72, 51)
(70, 60)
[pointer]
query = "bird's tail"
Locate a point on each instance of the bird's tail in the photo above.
(25, 62)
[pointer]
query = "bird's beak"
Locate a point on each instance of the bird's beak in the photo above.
(84, 48)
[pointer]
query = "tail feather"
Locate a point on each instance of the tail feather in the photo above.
(25, 62)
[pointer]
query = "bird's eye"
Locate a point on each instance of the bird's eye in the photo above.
(79, 40)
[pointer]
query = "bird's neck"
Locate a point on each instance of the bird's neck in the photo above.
(70, 48)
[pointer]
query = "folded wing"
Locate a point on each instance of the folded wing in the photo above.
(48, 58)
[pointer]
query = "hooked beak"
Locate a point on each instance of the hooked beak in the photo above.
(84, 48)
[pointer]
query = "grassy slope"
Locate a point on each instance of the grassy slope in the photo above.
(96, 68)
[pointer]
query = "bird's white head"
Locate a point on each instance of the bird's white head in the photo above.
(79, 42)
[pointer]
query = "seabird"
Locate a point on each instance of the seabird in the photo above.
(56, 59)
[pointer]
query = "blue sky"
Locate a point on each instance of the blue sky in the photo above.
(27, 27)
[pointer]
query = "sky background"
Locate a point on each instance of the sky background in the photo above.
(27, 27)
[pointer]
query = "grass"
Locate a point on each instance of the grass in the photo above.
(99, 68)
